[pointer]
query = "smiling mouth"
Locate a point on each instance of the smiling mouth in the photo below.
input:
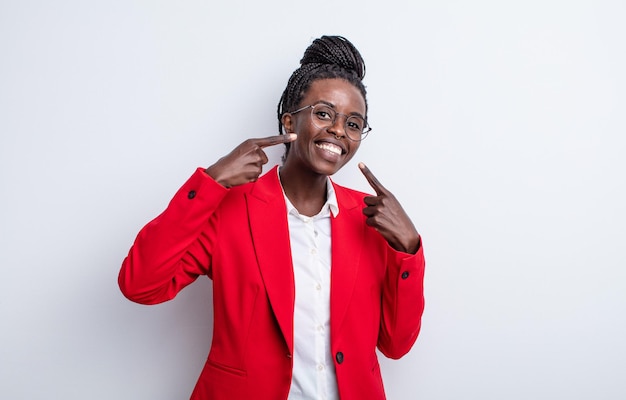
(332, 148)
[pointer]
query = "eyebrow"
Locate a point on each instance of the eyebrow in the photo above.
(331, 105)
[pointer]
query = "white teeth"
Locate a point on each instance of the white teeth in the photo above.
(329, 147)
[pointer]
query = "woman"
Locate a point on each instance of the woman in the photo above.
(309, 277)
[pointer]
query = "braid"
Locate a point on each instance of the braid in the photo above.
(326, 58)
(335, 50)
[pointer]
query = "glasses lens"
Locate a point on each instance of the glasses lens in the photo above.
(355, 127)
(323, 116)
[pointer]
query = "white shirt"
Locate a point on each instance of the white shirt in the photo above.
(313, 375)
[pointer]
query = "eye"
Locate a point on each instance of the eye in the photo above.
(324, 113)
(355, 124)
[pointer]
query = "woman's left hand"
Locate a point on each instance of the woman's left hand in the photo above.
(385, 214)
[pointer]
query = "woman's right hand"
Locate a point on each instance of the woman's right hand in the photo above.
(245, 163)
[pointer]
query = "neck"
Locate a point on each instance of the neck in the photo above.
(305, 189)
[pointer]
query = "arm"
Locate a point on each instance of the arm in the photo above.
(175, 248)
(159, 264)
(402, 302)
(403, 287)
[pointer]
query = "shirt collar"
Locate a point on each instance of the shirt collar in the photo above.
(331, 199)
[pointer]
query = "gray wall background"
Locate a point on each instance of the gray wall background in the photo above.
(499, 125)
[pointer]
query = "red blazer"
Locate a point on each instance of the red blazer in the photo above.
(239, 237)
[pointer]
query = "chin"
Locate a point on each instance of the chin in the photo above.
(325, 168)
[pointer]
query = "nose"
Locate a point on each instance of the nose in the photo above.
(338, 127)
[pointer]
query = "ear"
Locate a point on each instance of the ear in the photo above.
(287, 120)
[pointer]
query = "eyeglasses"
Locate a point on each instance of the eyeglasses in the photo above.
(323, 116)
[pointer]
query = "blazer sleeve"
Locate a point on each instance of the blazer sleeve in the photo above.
(172, 250)
(402, 302)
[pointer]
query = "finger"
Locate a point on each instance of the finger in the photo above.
(371, 222)
(263, 156)
(373, 181)
(274, 140)
(370, 211)
(371, 200)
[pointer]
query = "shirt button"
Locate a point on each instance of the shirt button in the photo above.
(191, 194)
(405, 274)
(313, 251)
(339, 357)
(320, 367)
(320, 328)
(318, 287)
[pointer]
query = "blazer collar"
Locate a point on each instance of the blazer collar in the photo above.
(347, 235)
(270, 235)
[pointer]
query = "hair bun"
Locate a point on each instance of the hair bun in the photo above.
(335, 50)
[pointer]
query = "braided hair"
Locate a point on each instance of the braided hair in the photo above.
(326, 58)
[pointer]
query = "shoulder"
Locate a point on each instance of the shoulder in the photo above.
(348, 193)
(266, 187)
(348, 198)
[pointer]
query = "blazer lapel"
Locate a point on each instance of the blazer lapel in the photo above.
(347, 230)
(270, 235)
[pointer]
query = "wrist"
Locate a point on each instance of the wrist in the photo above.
(409, 245)
(216, 175)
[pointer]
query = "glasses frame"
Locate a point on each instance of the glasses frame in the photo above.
(367, 129)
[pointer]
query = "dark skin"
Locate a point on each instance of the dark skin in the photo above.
(315, 154)
(385, 214)
(319, 152)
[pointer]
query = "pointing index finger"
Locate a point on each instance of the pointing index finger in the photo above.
(373, 181)
(276, 139)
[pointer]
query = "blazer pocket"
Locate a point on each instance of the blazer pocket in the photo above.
(225, 368)
(220, 382)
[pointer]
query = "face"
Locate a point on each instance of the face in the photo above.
(324, 150)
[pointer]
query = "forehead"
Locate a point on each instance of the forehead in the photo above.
(343, 95)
